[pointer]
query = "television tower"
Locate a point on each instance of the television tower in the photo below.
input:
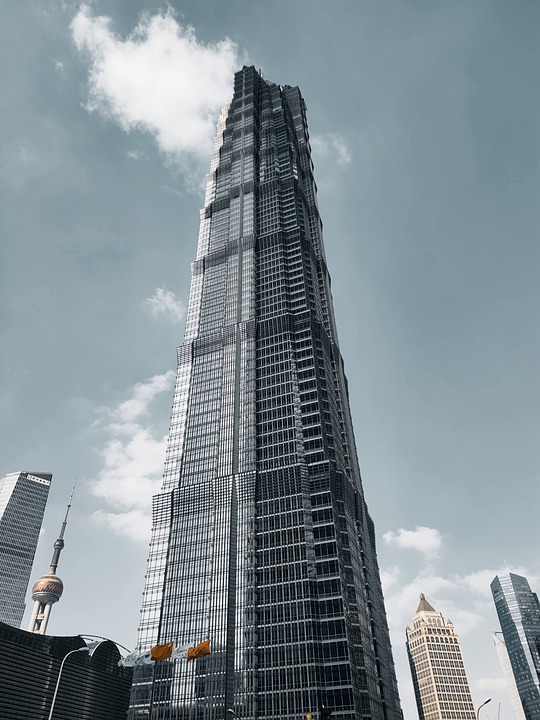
(49, 588)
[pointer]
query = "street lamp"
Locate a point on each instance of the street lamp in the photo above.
(234, 715)
(83, 649)
(481, 706)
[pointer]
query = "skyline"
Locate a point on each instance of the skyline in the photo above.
(440, 349)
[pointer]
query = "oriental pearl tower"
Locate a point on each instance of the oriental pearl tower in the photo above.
(49, 588)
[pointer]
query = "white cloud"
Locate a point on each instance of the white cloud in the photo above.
(479, 582)
(402, 600)
(389, 578)
(331, 145)
(160, 80)
(164, 303)
(424, 539)
(132, 461)
(135, 154)
(133, 524)
(491, 685)
(142, 395)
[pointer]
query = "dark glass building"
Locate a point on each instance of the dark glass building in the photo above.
(262, 541)
(23, 496)
(90, 688)
(519, 614)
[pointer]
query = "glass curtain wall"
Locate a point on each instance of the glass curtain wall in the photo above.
(23, 497)
(262, 541)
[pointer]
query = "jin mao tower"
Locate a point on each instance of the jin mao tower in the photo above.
(262, 541)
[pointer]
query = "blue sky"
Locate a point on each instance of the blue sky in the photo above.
(424, 119)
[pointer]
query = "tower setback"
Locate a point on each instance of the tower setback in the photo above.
(262, 541)
(23, 496)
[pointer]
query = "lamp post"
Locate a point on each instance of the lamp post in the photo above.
(481, 706)
(83, 649)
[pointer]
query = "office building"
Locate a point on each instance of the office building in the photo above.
(440, 682)
(23, 496)
(91, 686)
(509, 679)
(519, 615)
(262, 541)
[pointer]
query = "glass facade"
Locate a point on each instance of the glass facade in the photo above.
(262, 541)
(23, 497)
(519, 614)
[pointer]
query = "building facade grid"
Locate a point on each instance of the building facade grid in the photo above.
(262, 540)
(23, 496)
(518, 609)
(440, 681)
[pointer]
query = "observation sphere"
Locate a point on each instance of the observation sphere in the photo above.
(48, 589)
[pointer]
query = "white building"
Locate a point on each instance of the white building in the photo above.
(440, 681)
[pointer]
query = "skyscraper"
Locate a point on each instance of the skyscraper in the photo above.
(23, 497)
(509, 679)
(262, 541)
(440, 682)
(519, 614)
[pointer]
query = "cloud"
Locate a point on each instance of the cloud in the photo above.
(402, 600)
(331, 145)
(389, 578)
(160, 80)
(491, 685)
(132, 524)
(135, 154)
(142, 395)
(424, 539)
(164, 303)
(479, 582)
(132, 461)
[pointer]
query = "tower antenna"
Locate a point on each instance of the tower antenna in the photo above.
(49, 588)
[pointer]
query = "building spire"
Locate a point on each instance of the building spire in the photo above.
(49, 588)
(59, 544)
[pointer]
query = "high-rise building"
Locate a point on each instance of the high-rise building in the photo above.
(49, 588)
(262, 541)
(23, 496)
(519, 614)
(440, 682)
(509, 679)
